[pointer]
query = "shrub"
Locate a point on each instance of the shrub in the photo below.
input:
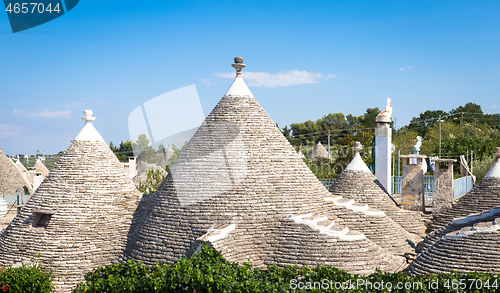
(208, 271)
(32, 278)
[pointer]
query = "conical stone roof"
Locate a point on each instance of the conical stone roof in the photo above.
(24, 172)
(164, 160)
(79, 217)
(484, 196)
(11, 178)
(318, 151)
(240, 187)
(470, 244)
(40, 167)
(21, 167)
(358, 183)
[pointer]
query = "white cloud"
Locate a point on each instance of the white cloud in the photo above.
(207, 81)
(8, 130)
(494, 106)
(43, 114)
(292, 77)
(79, 104)
(403, 68)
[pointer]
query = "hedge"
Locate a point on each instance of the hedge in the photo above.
(208, 271)
(32, 278)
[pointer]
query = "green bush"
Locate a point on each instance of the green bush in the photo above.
(208, 271)
(26, 279)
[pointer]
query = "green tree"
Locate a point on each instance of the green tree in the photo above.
(403, 140)
(425, 120)
(145, 151)
(153, 180)
(123, 151)
(368, 120)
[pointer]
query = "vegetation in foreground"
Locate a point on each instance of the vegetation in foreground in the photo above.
(33, 278)
(207, 271)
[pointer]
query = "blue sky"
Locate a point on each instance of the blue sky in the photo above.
(304, 59)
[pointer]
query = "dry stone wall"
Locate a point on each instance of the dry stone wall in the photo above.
(79, 217)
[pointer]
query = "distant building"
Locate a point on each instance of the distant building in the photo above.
(11, 178)
(318, 151)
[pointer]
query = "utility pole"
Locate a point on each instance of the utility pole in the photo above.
(461, 119)
(440, 138)
(329, 157)
(471, 162)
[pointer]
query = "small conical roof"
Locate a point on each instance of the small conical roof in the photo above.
(11, 178)
(484, 196)
(358, 183)
(240, 186)
(20, 166)
(79, 217)
(40, 168)
(469, 244)
(318, 151)
(164, 160)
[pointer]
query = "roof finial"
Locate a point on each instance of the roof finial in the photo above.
(88, 116)
(357, 147)
(238, 65)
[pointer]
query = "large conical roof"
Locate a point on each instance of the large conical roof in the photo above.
(470, 244)
(357, 182)
(240, 186)
(318, 151)
(79, 217)
(11, 178)
(484, 196)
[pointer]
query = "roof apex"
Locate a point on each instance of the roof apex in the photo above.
(238, 88)
(357, 163)
(89, 133)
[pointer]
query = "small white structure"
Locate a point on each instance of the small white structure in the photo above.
(37, 180)
(383, 144)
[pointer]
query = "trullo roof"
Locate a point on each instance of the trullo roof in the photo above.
(20, 166)
(164, 160)
(40, 167)
(357, 182)
(470, 244)
(318, 151)
(240, 187)
(11, 177)
(484, 196)
(80, 216)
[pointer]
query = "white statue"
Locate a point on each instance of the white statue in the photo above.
(388, 110)
(417, 146)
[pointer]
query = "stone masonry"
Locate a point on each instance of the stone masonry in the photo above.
(78, 219)
(11, 177)
(412, 185)
(470, 244)
(240, 187)
(442, 195)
